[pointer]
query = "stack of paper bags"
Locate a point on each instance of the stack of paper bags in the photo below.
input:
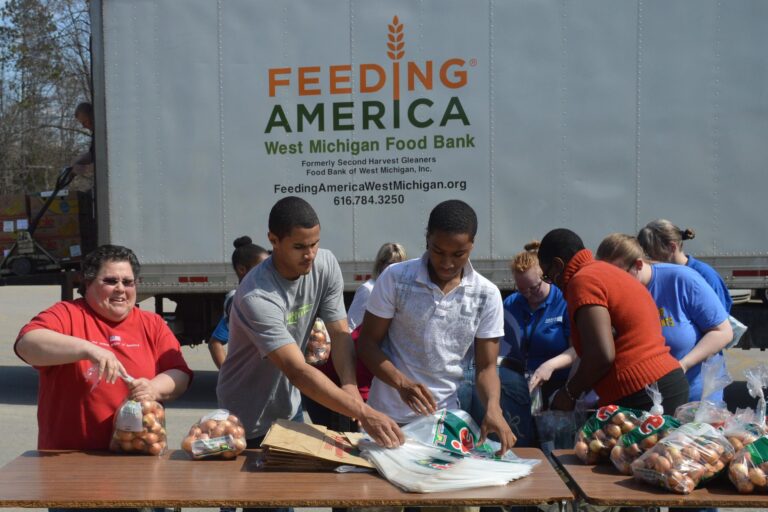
(294, 446)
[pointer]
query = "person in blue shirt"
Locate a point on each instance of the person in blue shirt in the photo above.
(694, 321)
(245, 256)
(663, 241)
(536, 344)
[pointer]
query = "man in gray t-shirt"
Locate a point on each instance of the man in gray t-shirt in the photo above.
(270, 322)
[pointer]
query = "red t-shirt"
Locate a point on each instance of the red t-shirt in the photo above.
(364, 376)
(72, 417)
(641, 355)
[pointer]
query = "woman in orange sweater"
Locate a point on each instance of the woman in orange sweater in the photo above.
(615, 330)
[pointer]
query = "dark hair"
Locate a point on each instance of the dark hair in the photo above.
(290, 212)
(84, 108)
(559, 243)
(246, 253)
(453, 216)
(95, 259)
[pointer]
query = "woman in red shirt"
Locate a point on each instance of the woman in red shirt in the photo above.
(134, 353)
(615, 330)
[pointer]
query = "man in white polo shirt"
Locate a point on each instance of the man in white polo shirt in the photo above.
(422, 318)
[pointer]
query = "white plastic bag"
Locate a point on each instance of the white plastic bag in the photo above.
(441, 453)
(454, 431)
(415, 467)
(738, 331)
(714, 377)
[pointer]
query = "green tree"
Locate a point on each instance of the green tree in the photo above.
(45, 72)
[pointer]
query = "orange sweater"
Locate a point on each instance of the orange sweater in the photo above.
(641, 354)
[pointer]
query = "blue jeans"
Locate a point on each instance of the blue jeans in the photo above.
(515, 403)
(255, 442)
(469, 400)
(516, 406)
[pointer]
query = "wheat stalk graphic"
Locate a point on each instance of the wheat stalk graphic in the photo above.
(395, 41)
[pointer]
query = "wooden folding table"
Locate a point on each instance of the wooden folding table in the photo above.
(101, 479)
(604, 485)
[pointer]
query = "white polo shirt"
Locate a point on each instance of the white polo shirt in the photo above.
(430, 332)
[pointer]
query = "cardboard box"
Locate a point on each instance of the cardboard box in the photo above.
(13, 216)
(68, 216)
(62, 248)
(13, 206)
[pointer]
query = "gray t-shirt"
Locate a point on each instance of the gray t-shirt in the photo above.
(269, 311)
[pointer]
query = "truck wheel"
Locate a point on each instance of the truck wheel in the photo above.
(21, 266)
(763, 294)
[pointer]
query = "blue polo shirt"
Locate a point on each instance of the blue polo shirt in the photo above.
(688, 307)
(221, 332)
(714, 280)
(533, 337)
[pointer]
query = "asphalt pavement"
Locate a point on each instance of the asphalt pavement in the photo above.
(18, 382)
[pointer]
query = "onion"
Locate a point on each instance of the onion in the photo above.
(582, 449)
(148, 420)
(138, 445)
(155, 449)
(186, 444)
(147, 406)
(124, 435)
(240, 445)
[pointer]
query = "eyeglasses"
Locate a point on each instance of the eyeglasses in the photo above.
(545, 274)
(112, 281)
(531, 289)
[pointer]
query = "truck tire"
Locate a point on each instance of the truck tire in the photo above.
(763, 294)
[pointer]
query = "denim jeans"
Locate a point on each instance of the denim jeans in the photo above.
(516, 406)
(469, 400)
(515, 403)
(255, 443)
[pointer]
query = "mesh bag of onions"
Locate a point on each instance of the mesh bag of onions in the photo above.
(217, 434)
(601, 432)
(688, 457)
(319, 345)
(139, 427)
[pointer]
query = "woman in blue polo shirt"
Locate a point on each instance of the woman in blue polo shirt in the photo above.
(693, 320)
(535, 343)
(663, 241)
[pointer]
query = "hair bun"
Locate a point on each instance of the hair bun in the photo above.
(242, 241)
(688, 234)
(532, 246)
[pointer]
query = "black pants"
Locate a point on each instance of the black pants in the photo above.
(674, 391)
